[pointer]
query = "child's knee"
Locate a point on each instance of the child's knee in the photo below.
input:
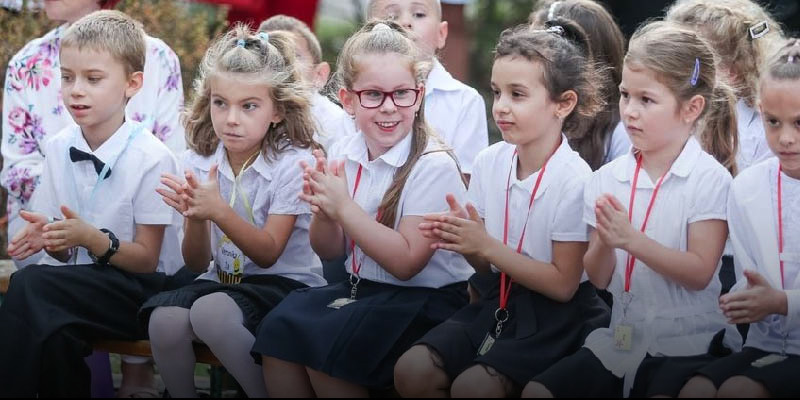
(482, 381)
(699, 387)
(169, 326)
(417, 371)
(742, 387)
(536, 390)
(212, 314)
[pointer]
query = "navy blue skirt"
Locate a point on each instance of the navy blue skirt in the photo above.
(360, 342)
(256, 295)
(539, 332)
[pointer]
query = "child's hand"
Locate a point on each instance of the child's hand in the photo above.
(173, 197)
(203, 201)
(755, 303)
(329, 188)
(455, 211)
(466, 236)
(613, 226)
(70, 232)
(29, 240)
(320, 165)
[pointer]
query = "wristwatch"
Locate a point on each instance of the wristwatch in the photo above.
(113, 248)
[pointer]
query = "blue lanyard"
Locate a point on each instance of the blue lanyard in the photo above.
(108, 166)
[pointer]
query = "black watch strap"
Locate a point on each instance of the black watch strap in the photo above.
(113, 248)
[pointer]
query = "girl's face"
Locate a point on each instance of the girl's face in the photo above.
(780, 109)
(69, 10)
(386, 124)
(522, 108)
(241, 112)
(650, 111)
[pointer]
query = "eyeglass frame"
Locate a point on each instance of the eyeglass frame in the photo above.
(385, 96)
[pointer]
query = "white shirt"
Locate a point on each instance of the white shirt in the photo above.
(667, 318)
(753, 146)
(432, 178)
(753, 222)
(330, 120)
(456, 112)
(33, 110)
(617, 144)
(125, 199)
(271, 187)
(556, 214)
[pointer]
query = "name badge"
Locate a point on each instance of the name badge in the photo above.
(341, 302)
(486, 345)
(623, 337)
(768, 360)
(229, 258)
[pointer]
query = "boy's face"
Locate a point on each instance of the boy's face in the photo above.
(95, 88)
(420, 17)
(305, 63)
(69, 10)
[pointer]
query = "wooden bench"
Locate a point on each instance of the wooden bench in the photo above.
(6, 269)
(141, 348)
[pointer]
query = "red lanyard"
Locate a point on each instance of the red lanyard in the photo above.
(780, 226)
(357, 267)
(631, 258)
(505, 289)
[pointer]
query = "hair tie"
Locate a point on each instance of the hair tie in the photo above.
(264, 36)
(380, 27)
(557, 29)
(551, 13)
(240, 43)
(759, 30)
(696, 72)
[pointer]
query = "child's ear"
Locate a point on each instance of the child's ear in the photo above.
(441, 37)
(321, 73)
(566, 104)
(692, 109)
(348, 100)
(135, 81)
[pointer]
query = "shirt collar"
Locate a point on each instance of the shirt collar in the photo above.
(356, 150)
(683, 165)
(112, 147)
(440, 79)
(561, 155)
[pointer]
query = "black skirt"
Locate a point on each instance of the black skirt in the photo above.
(360, 342)
(539, 332)
(255, 295)
(780, 379)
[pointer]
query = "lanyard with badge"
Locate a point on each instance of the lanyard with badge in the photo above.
(623, 333)
(355, 276)
(501, 314)
(227, 253)
(776, 358)
(101, 177)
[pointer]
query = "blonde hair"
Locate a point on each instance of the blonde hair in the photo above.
(267, 59)
(394, 40)
(784, 64)
(727, 24)
(437, 6)
(112, 32)
(685, 63)
(291, 24)
(606, 45)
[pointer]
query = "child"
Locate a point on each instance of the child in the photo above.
(659, 261)
(741, 33)
(344, 338)
(541, 81)
(602, 137)
(249, 126)
(328, 116)
(34, 111)
(456, 111)
(101, 173)
(762, 215)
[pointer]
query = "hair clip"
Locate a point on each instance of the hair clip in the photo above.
(264, 36)
(380, 27)
(759, 30)
(557, 29)
(240, 43)
(695, 73)
(551, 13)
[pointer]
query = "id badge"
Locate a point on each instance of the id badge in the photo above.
(623, 337)
(230, 257)
(486, 345)
(341, 302)
(768, 360)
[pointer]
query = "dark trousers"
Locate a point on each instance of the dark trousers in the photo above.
(51, 315)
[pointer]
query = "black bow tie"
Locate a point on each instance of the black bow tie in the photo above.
(77, 155)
